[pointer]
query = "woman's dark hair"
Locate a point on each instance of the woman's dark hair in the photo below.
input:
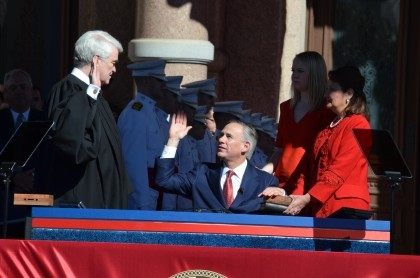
(349, 77)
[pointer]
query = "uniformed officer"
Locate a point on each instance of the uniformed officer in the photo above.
(143, 128)
(268, 134)
(170, 101)
(259, 158)
(198, 131)
(225, 111)
(168, 105)
(264, 126)
(207, 146)
(186, 157)
(206, 91)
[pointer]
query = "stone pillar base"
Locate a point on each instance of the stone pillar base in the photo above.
(188, 58)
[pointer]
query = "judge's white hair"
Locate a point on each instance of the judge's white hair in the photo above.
(93, 43)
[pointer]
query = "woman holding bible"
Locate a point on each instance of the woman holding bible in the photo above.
(337, 167)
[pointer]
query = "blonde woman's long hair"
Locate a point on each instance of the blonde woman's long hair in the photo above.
(317, 79)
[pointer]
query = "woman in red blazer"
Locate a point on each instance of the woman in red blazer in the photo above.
(301, 118)
(338, 168)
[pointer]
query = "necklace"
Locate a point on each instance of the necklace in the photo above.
(336, 121)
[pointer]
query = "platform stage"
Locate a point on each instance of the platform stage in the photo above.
(210, 230)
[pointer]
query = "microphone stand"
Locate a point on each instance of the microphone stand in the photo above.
(394, 180)
(6, 170)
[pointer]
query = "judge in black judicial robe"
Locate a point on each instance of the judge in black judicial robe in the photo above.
(85, 150)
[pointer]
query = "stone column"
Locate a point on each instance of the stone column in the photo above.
(294, 43)
(175, 31)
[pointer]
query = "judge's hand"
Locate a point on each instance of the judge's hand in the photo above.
(178, 128)
(297, 204)
(272, 191)
(95, 77)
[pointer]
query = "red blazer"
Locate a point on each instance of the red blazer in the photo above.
(296, 140)
(339, 169)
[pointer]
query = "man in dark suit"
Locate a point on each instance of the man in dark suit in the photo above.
(232, 186)
(18, 94)
(87, 164)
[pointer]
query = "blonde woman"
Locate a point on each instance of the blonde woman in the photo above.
(301, 118)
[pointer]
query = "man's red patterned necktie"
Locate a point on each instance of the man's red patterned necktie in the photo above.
(228, 188)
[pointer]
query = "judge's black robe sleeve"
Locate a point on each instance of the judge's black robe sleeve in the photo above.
(75, 135)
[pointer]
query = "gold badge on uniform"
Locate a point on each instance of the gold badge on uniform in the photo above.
(137, 106)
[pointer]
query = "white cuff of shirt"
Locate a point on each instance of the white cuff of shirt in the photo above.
(168, 152)
(93, 91)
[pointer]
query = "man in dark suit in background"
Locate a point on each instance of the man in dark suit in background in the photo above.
(87, 164)
(234, 185)
(18, 94)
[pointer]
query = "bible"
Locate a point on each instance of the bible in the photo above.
(276, 204)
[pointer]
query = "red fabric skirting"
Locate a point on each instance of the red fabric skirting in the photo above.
(21, 258)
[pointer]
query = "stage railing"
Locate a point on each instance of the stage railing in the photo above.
(210, 229)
